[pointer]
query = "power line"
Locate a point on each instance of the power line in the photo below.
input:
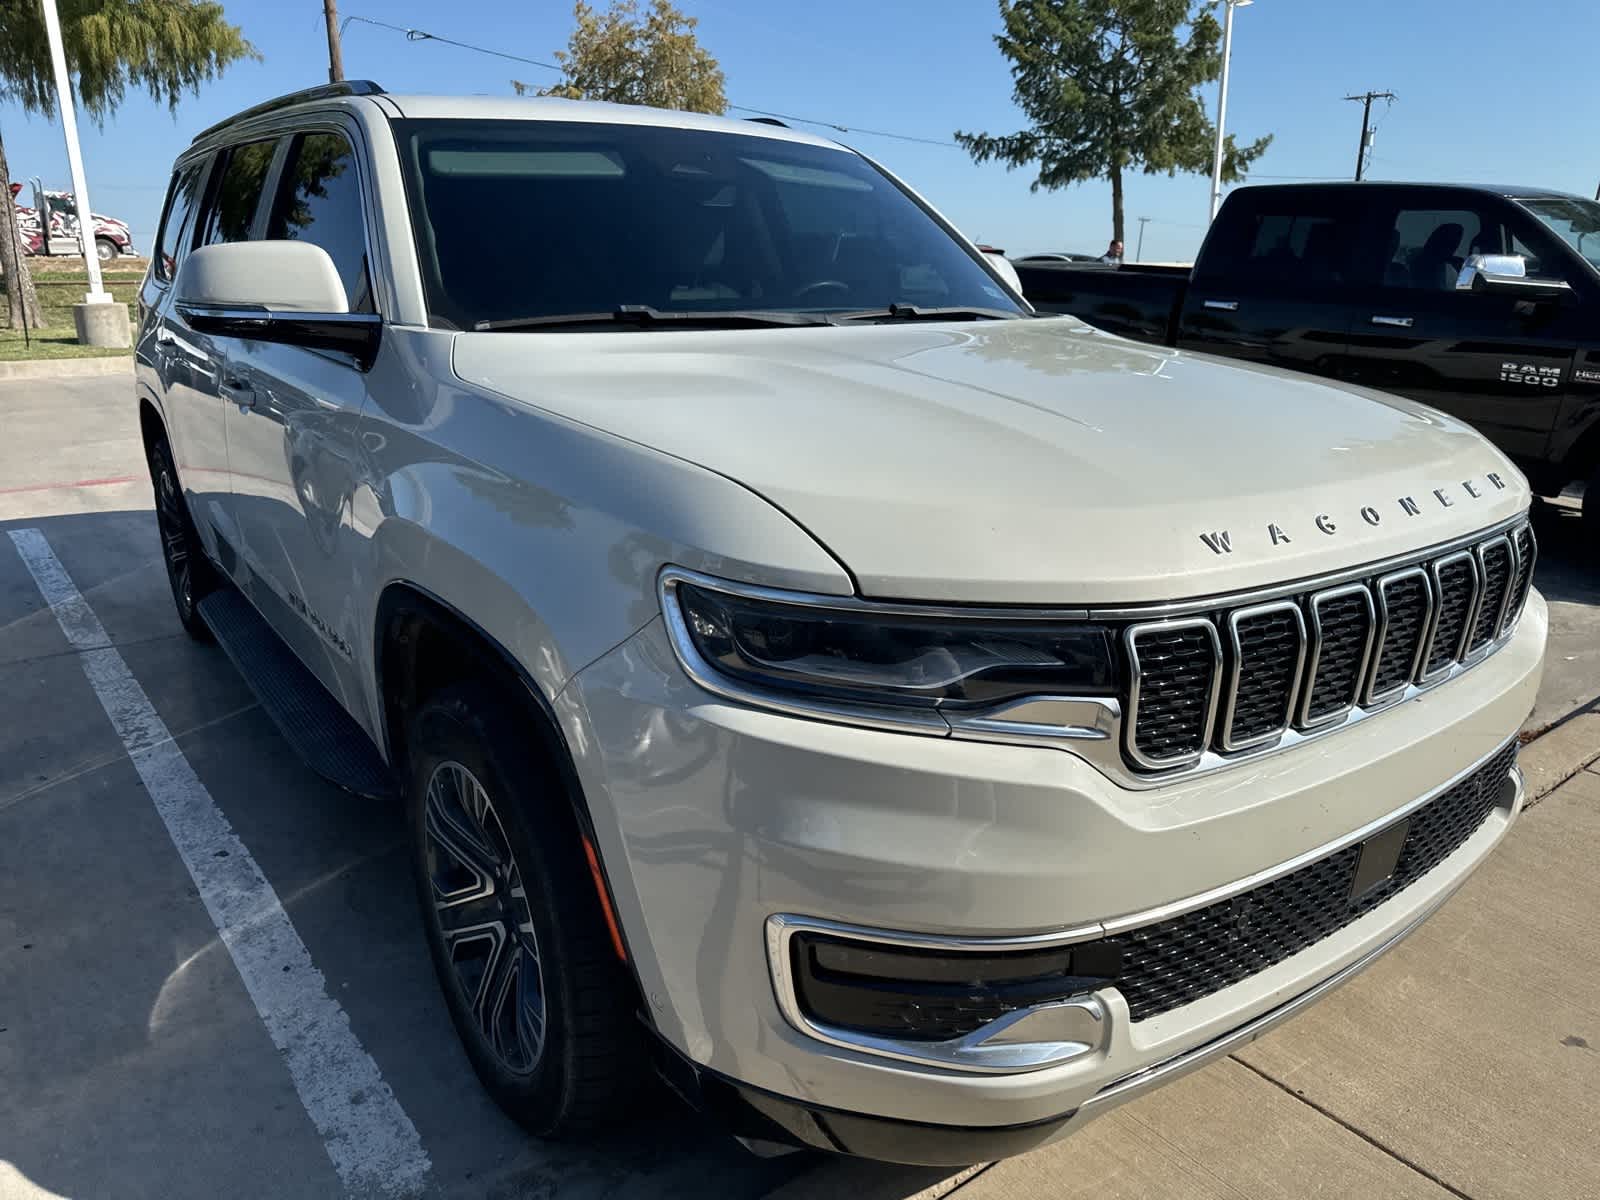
(422, 35)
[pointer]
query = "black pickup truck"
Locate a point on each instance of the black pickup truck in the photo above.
(1483, 302)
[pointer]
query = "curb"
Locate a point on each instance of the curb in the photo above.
(1561, 751)
(68, 368)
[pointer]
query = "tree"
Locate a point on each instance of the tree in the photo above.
(653, 59)
(1110, 86)
(166, 47)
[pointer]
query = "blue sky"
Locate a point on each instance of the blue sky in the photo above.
(1487, 91)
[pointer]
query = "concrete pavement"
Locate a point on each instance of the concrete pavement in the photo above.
(132, 1062)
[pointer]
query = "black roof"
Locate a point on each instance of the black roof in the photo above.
(1508, 190)
(325, 91)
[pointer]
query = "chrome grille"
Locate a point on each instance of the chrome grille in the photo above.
(1495, 566)
(1297, 665)
(1176, 669)
(1455, 590)
(1268, 648)
(1405, 606)
(1342, 622)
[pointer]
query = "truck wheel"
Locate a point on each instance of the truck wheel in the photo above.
(106, 249)
(537, 995)
(1591, 509)
(189, 572)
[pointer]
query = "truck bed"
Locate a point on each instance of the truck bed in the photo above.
(1136, 301)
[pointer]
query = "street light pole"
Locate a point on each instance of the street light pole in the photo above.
(1138, 255)
(69, 126)
(1222, 100)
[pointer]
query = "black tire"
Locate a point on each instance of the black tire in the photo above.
(189, 571)
(1591, 510)
(106, 249)
(590, 1062)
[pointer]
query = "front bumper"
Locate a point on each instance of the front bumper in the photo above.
(713, 818)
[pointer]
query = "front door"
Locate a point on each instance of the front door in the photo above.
(1502, 363)
(1274, 285)
(292, 431)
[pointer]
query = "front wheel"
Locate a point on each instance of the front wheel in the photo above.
(189, 572)
(1591, 510)
(543, 1007)
(105, 249)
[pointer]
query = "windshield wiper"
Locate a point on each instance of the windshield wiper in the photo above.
(644, 314)
(914, 312)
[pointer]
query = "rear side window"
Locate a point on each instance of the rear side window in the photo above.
(1285, 240)
(175, 225)
(319, 201)
(237, 193)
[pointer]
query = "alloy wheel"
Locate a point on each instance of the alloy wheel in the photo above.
(172, 520)
(482, 911)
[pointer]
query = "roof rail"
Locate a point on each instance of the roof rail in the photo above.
(324, 91)
(769, 121)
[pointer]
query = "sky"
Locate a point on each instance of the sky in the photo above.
(1487, 92)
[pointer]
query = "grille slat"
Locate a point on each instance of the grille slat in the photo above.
(1268, 645)
(1455, 582)
(1342, 627)
(1177, 961)
(1369, 642)
(1495, 563)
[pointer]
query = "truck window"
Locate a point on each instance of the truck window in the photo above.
(1428, 247)
(181, 200)
(238, 192)
(1282, 240)
(319, 201)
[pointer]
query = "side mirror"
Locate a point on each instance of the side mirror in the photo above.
(1507, 273)
(274, 291)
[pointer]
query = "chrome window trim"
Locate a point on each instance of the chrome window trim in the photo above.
(1425, 678)
(781, 927)
(1228, 742)
(1480, 552)
(1314, 654)
(1371, 699)
(1130, 725)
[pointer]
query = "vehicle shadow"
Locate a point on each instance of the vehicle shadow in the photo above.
(156, 1077)
(1569, 561)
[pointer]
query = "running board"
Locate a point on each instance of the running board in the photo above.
(325, 736)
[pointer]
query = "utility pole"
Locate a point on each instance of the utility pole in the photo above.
(1366, 99)
(1138, 255)
(330, 10)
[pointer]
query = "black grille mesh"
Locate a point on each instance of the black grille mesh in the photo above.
(1406, 604)
(1496, 578)
(1346, 625)
(1268, 669)
(1177, 667)
(1456, 586)
(1175, 962)
(1523, 538)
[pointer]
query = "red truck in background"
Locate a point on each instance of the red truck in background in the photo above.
(60, 236)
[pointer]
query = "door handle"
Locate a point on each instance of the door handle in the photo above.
(1223, 305)
(1397, 322)
(238, 393)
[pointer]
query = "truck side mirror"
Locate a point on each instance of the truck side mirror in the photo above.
(1507, 273)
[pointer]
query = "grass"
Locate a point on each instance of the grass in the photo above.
(61, 283)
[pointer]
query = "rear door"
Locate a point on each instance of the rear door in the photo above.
(292, 439)
(1276, 280)
(1498, 361)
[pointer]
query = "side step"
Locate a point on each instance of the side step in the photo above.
(321, 732)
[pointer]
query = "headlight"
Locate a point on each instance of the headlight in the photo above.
(808, 650)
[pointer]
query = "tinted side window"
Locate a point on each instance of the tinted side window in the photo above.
(181, 201)
(1284, 240)
(1428, 247)
(238, 191)
(319, 202)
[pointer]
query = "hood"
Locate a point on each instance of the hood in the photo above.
(1026, 462)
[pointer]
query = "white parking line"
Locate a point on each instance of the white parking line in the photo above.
(373, 1144)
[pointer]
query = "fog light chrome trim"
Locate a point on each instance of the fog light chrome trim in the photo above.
(1028, 1039)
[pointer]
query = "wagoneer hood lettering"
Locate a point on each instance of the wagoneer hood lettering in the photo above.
(1030, 461)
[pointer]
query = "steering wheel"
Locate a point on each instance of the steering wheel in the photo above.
(819, 285)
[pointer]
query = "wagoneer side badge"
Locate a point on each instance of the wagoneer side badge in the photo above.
(1220, 541)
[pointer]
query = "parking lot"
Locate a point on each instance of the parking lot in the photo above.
(143, 1054)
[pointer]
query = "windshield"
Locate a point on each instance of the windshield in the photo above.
(520, 219)
(1576, 222)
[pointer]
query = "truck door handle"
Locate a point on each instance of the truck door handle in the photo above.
(238, 393)
(1223, 305)
(1397, 322)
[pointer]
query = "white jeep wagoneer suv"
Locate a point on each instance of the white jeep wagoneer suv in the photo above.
(910, 725)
